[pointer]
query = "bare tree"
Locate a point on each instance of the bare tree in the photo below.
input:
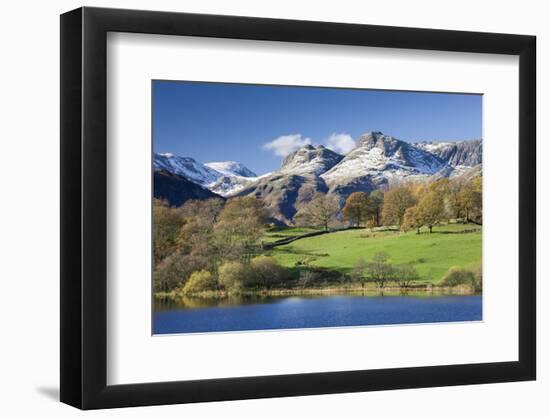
(320, 211)
(374, 206)
(378, 270)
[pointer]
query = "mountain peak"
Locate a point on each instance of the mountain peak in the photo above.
(388, 145)
(376, 139)
(310, 160)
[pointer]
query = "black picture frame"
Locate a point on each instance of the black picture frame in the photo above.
(84, 207)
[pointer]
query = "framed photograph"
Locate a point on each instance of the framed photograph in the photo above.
(258, 208)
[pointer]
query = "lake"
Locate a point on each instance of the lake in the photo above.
(267, 313)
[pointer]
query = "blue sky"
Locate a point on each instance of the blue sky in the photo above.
(257, 125)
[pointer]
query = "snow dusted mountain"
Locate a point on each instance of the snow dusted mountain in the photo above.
(466, 153)
(376, 161)
(186, 167)
(380, 159)
(231, 169)
(223, 178)
(295, 183)
(230, 185)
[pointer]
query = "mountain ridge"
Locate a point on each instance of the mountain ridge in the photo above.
(377, 161)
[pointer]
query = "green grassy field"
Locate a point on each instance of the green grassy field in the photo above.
(431, 254)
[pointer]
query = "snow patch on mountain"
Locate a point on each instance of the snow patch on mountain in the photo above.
(383, 159)
(186, 167)
(230, 185)
(433, 146)
(467, 153)
(231, 169)
(310, 160)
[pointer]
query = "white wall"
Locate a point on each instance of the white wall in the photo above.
(29, 101)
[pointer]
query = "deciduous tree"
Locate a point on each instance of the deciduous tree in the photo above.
(454, 197)
(374, 206)
(411, 220)
(396, 201)
(430, 209)
(472, 201)
(405, 274)
(378, 270)
(356, 208)
(167, 222)
(320, 211)
(239, 227)
(359, 272)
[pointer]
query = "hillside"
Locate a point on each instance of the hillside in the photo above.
(431, 254)
(177, 189)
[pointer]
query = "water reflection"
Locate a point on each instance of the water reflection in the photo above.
(167, 304)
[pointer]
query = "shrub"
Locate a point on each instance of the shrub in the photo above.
(266, 272)
(199, 281)
(458, 276)
(233, 275)
(308, 278)
(478, 276)
(174, 271)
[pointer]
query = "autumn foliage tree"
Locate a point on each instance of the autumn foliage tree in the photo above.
(356, 208)
(166, 226)
(396, 201)
(472, 201)
(430, 208)
(239, 227)
(196, 234)
(201, 235)
(464, 199)
(411, 220)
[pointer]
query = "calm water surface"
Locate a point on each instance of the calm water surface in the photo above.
(197, 316)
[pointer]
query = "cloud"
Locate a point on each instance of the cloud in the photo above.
(286, 144)
(340, 142)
